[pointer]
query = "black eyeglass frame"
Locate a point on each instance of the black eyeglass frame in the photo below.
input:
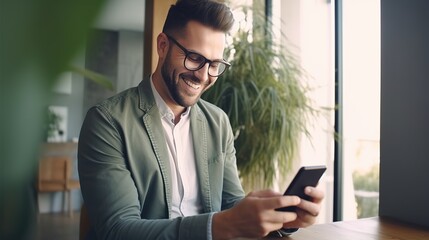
(203, 63)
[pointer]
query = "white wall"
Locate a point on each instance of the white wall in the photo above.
(122, 15)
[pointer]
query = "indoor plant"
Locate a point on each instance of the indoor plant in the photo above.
(265, 98)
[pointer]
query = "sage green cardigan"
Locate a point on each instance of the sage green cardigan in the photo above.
(125, 173)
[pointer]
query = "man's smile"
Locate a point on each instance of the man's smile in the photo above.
(193, 84)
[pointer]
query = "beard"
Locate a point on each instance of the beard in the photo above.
(172, 82)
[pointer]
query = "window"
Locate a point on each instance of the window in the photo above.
(360, 107)
(309, 33)
(309, 27)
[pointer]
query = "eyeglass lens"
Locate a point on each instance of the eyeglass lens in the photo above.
(194, 61)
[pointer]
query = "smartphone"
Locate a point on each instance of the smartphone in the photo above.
(306, 176)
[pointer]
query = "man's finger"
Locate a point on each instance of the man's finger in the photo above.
(316, 194)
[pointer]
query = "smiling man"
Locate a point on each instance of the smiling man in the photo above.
(158, 162)
(185, 74)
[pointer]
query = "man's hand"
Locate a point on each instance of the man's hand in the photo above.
(307, 211)
(255, 216)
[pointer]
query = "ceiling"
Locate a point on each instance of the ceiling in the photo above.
(122, 15)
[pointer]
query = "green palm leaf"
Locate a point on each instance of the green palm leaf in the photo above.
(265, 98)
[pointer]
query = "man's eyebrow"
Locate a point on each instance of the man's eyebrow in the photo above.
(216, 59)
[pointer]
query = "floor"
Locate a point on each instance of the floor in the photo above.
(57, 226)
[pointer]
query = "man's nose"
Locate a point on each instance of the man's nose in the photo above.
(203, 73)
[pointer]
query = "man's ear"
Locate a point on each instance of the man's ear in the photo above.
(162, 45)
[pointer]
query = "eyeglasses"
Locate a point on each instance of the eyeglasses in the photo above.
(194, 61)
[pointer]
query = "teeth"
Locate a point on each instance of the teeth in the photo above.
(191, 84)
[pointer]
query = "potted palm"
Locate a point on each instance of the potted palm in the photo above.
(265, 99)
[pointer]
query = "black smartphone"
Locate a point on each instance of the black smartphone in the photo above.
(306, 176)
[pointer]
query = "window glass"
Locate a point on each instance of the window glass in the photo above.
(308, 28)
(361, 107)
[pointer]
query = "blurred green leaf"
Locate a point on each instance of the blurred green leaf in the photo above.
(93, 76)
(38, 40)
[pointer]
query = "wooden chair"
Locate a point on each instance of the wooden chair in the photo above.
(54, 175)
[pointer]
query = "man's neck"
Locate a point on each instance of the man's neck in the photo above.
(175, 108)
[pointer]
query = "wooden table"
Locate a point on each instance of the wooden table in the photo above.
(363, 229)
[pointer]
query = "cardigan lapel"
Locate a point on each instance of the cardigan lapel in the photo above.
(153, 125)
(199, 136)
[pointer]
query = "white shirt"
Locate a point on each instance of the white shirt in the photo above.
(186, 199)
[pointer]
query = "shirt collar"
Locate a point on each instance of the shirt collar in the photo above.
(164, 110)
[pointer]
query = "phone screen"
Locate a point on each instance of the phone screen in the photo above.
(306, 176)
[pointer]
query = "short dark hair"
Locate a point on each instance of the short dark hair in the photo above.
(207, 12)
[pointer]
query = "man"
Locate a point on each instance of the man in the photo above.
(157, 162)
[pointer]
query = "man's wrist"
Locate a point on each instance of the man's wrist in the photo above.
(221, 227)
